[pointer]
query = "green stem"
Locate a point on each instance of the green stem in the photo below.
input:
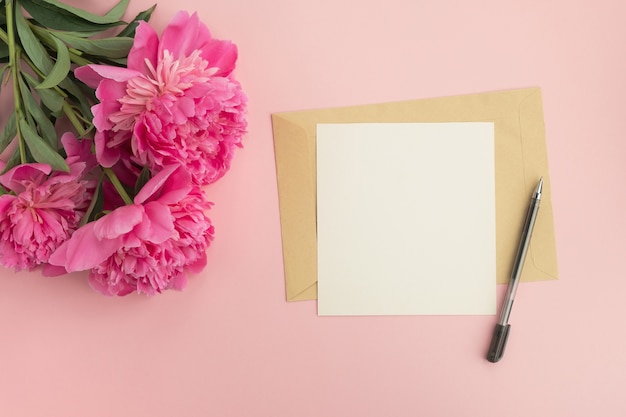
(71, 115)
(4, 37)
(14, 60)
(93, 203)
(77, 59)
(118, 185)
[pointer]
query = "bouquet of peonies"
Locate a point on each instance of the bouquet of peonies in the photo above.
(153, 120)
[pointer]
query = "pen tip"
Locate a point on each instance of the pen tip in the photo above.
(539, 187)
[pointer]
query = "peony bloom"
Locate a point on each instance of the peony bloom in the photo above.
(42, 210)
(177, 101)
(148, 246)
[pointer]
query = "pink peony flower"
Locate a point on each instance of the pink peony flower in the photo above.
(148, 246)
(42, 210)
(177, 101)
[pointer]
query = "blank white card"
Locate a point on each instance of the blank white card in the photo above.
(406, 219)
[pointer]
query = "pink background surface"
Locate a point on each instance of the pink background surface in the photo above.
(230, 345)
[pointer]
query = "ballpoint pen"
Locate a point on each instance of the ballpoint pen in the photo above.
(501, 332)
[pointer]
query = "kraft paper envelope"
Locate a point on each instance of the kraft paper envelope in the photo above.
(520, 160)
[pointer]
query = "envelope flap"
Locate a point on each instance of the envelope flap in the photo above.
(542, 255)
(294, 162)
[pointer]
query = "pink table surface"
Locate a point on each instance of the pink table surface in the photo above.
(230, 345)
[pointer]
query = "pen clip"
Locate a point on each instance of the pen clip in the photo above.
(498, 342)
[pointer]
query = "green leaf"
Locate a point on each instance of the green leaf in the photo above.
(144, 177)
(42, 152)
(46, 128)
(34, 49)
(60, 16)
(129, 30)
(8, 133)
(49, 97)
(61, 66)
(116, 13)
(108, 47)
(81, 34)
(78, 97)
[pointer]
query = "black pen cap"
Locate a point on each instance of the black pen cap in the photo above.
(498, 342)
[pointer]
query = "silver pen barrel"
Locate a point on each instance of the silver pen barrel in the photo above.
(501, 331)
(518, 264)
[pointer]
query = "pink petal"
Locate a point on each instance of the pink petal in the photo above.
(5, 201)
(101, 117)
(55, 228)
(71, 144)
(23, 230)
(78, 151)
(107, 157)
(177, 186)
(158, 225)
(53, 270)
(199, 264)
(179, 281)
(111, 90)
(104, 287)
(186, 33)
(131, 240)
(83, 250)
(12, 179)
(154, 184)
(183, 35)
(220, 54)
(99, 285)
(145, 46)
(92, 74)
(118, 222)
